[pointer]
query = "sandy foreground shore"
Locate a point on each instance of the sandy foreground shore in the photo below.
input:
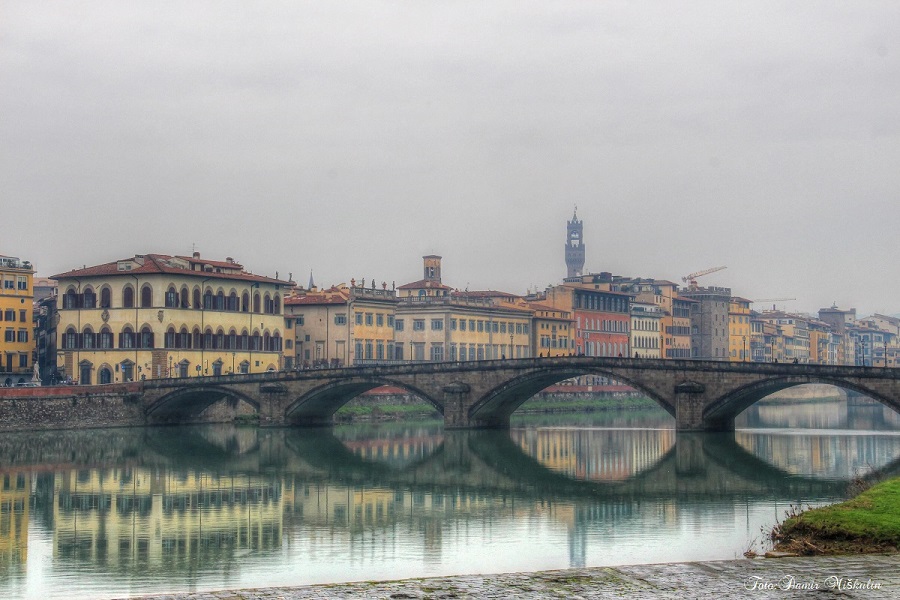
(856, 576)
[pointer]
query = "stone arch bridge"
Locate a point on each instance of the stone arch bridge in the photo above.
(700, 395)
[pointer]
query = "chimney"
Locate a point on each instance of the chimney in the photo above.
(196, 254)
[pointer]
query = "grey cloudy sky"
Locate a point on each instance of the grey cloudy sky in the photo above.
(351, 138)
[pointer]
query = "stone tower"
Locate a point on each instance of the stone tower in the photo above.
(574, 246)
(432, 267)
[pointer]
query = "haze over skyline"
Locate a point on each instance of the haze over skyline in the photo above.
(351, 138)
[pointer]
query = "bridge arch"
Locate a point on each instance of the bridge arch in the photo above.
(317, 406)
(495, 407)
(734, 402)
(187, 403)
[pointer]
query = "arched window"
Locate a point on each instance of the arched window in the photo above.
(220, 300)
(126, 338)
(267, 304)
(104, 375)
(105, 339)
(128, 297)
(276, 342)
(184, 338)
(231, 342)
(267, 342)
(89, 298)
(70, 340)
(87, 338)
(245, 302)
(198, 339)
(105, 297)
(197, 304)
(169, 341)
(254, 341)
(256, 303)
(172, 298)
(146, 296)
(70, 299)
(208, 299)
(220, 339)
(185, 297)
(276, 307)
(244, 340)
(208, 338)
(233, 302)
(146, 337)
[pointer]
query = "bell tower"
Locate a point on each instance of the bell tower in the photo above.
(574, 246)
(432, 264)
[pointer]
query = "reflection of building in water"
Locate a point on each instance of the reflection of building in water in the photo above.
(143, 517)
(14, 490)
(395, 450)
(597, 455)
(839, 457)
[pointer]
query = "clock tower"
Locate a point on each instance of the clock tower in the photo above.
(574, 246)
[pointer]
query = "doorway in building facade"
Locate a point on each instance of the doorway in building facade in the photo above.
(217, 368)
(105, 375)
(84, 373)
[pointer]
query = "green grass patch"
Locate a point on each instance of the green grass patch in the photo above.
(872, 517)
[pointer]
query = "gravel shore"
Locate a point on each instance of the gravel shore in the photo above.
(857, 576)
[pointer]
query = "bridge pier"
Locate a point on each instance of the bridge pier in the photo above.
(457, 405)
(690, 402)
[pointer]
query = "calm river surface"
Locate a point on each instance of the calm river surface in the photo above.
(107, 513)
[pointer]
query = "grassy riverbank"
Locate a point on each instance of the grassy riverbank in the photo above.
(870, 522)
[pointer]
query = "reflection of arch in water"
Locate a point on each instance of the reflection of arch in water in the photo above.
(497, 405)
(317, 407)
(204, 448)
(324, 453)
(736, 401)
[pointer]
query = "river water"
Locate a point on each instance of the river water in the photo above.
(108, 513)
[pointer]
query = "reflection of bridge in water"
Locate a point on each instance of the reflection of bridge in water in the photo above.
(212, 491)
(687, 465)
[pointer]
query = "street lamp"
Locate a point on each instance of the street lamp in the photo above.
(744, 352)
(511, 346)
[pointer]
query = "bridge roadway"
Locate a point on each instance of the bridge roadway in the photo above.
(700, 395)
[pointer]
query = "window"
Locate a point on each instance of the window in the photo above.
(23, 361)
(418, 324)
(452, 328)
(302, 321)
(105, 339)
(369, 319)
(462, 324)
(437, 324)
(172, 298)
(359, 318)
(23, 335)
(398, 324)
(128, 297)
(9, 284)
(146, 297)
(480, 326)
(437, 352)
(340, 319)
(89, 299)
(22, 316)
(379, 320)
(390, 320)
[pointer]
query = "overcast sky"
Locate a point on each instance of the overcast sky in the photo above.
(351, 138)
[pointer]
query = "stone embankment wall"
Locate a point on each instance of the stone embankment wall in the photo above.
(69, 407)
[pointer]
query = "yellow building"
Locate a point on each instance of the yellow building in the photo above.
(16, 310)
(739, 335)
(15, 488)
(155, 316)
(552, 331)
(343, 325)
(434, 323)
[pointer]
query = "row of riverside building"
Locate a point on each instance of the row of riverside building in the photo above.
(153, 315)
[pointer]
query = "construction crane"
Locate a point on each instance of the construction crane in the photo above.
(772, 300)
(691, 279)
